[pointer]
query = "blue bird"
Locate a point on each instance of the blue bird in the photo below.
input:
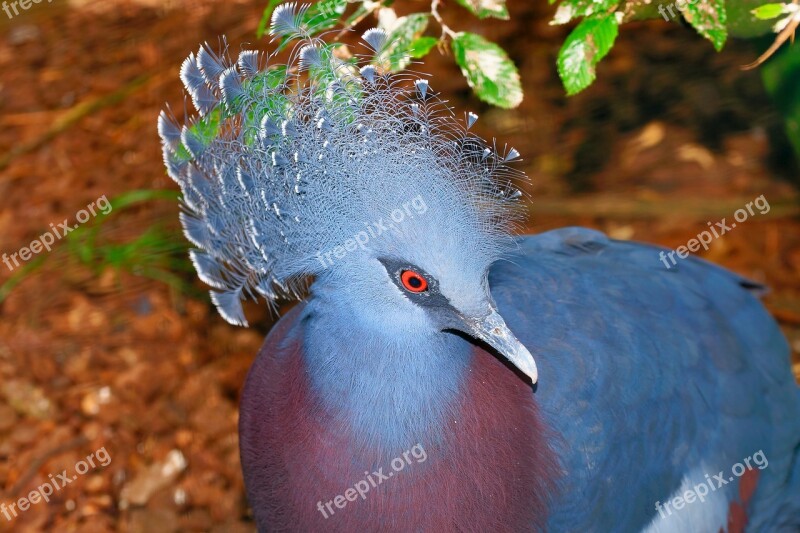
(443, 373)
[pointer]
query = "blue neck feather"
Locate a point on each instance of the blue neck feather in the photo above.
(391, 386)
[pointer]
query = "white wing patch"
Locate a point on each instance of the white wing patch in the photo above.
(700, 513)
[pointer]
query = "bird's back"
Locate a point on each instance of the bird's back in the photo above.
(656, 381)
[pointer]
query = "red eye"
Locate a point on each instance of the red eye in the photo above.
(413, 281)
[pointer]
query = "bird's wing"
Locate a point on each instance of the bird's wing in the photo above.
(653, 377)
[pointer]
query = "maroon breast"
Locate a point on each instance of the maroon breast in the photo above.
(487, 467)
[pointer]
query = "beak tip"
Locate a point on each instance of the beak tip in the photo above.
(494, 331)
(532, 372)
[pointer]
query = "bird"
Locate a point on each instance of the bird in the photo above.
(443, 371)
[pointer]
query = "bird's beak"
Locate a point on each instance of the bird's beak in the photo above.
(493, 331)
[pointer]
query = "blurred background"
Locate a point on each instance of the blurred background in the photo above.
(109, 340)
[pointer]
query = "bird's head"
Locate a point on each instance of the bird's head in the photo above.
(363, 181)
(440, 298)
(421, 262)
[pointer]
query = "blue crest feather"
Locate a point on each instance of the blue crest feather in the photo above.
(210, 65)
(375, 38)
(287, 162)
(287, 20)
(248, 63)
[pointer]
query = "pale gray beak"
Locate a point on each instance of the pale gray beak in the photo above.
(493, 331)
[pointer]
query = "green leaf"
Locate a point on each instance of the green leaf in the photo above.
(265, 16)
(742, 22)
(404, 32)
(768, 11)
(572, 9)
(420, 47)
(138, 196)
(360, 12)
(486, 8)
(489, 71)
(588, 43)
(709, 18)
(324, 15)
(780, 76)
